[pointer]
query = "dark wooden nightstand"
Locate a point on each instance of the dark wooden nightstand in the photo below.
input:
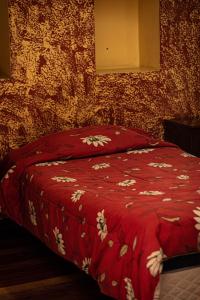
(185, 133)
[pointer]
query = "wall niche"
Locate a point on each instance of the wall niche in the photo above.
(127, 35)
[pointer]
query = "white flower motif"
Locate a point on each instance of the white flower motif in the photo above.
(157, 292)
(153, 143)
(183, 177)
(198, 191)
(101, 166)
(63, 179)
(32, 213)
(185, 154)
(77, 195)
(159, 165)
(59, 241)
(86, 264)
(167, 199)
(123, 128)
(174, 219)
(129, 289)
(96, 140)
(9, 172)
(197, 219)
(50, 163)
(154, 263)
(139, 151)
(151, 193)
(127, 182)
(101, 225)
(135, 243)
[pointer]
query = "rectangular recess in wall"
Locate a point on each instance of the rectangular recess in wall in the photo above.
(4, 40)
(127, 35)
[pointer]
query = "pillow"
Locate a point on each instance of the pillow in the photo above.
(79, 142)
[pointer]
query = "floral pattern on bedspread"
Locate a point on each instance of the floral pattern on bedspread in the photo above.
(116, 214)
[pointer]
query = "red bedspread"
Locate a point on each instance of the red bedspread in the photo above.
(112, 200)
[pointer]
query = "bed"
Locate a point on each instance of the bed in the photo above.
(113, 200)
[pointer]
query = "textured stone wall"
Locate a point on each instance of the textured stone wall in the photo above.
(54, 85)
